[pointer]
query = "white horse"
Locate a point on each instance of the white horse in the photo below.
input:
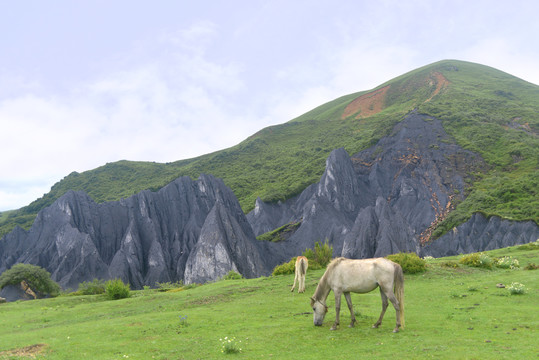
(360, 276)
(301, 269)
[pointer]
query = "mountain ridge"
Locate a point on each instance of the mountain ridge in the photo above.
(476, 98)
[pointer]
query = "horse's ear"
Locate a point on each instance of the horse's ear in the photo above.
(312, 301)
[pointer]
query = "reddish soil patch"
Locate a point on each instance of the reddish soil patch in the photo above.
(367, 104)
(28, 351)
(438, 80)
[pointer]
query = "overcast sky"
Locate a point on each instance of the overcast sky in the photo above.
(83, 83)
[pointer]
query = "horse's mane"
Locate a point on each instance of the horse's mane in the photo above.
(323, 280)
(334, 263)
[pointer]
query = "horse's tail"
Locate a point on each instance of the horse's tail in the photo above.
(303, 266)
(399, 291)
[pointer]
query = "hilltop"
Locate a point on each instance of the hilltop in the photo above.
(482, 109)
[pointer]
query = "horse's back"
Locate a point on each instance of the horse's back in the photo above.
(362, 275)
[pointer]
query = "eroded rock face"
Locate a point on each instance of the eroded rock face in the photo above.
(387, 198)
(379, 201)
(144, 239)
(481, 234)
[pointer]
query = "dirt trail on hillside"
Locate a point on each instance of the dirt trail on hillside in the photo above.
(440, 81)
(374, 101)
(367, 104)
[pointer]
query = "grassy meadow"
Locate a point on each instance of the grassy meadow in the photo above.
(451, 313)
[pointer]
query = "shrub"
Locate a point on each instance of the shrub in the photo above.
(37, 278)
(450, 264)
(530, 246)
(507, 262)
(531, 266)
(94, 287)
(320, 256)
(517, 288)
(230, 346)
(232, 275)
(116, 289)
(286, 268)
(167, 286)
(410, 262)
(480, 260)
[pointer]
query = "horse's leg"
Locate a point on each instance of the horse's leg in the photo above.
(384, 307)
(395, 303)
(337, 310)
(295, 278)
(349, 302)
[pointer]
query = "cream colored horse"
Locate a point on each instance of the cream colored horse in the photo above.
(344, 276)
(301, 269)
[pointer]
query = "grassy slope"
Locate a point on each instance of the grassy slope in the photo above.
(280, 161)
(444, 319)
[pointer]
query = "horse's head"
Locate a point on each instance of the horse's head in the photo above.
(319, 311)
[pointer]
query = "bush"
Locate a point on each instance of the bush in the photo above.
(37, 278)
(167, 286)
(320, 256)
(530, 246)
(517, 288)
(479, 260)
(507, 262)
(286, 268)
(410, 262)
(94, 287)
(116, 289)
(531, 266)
(449, 264)
(232, 275)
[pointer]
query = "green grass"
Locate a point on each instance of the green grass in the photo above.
(483, 110)
(451, 313)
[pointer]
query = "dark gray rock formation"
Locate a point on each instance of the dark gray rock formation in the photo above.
(15, 292)
(188, 230)
(481, 234)
(379, 201)
(386, 199)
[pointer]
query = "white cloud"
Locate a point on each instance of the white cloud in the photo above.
(168, 108)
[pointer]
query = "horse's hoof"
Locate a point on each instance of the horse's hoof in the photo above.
(395, 330)
(333, 328)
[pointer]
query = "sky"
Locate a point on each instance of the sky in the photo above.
(85, 83)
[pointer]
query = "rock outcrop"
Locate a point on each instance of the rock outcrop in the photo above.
(481, 234)
(382, 200)
(188, 230)
(387, 198)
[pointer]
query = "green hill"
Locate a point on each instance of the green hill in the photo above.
(483, 109)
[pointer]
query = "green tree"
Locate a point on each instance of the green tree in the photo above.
(37, 278)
